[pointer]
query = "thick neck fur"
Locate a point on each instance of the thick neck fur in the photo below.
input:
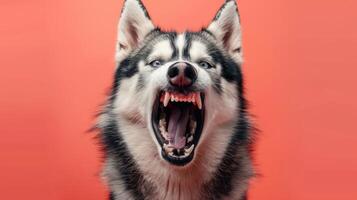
(160, 180)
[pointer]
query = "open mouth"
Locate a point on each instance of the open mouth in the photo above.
(177, 120)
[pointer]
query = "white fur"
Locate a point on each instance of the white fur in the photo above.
(180, 43)
(198, 51)
(162, 50)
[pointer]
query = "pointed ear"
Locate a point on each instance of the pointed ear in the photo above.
(227, 30)
(134, 25)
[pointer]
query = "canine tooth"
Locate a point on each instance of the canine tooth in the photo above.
(192, 97)
(166, 98)
(189, 150)
(198, 100)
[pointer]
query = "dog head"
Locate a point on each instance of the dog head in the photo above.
(180, 88)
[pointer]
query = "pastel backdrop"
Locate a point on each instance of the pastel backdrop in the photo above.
(57, 62)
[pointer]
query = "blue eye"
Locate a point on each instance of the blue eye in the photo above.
(205, 64)
(156, 63)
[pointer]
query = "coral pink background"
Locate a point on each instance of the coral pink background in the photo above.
(57, 61)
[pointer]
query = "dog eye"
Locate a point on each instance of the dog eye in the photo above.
(156, 63)
(205, 64)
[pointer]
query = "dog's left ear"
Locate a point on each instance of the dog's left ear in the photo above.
(134, 25)
(227, 30)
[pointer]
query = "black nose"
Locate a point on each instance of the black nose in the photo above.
(182, 74)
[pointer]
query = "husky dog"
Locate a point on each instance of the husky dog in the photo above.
(175, 125)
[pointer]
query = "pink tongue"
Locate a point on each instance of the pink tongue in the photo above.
(177, 127)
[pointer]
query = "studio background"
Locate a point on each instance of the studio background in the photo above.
(57, 63)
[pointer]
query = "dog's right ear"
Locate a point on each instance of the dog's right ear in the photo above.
(134, 25)
(227, 30)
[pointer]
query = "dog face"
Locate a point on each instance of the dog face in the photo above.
(177, 89)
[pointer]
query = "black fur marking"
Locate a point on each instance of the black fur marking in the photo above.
(124, 70)
(172, 37)
(124, 163)
(188, 42)
(204, 30)
(230, 69)
(141, 82)
(111, 196)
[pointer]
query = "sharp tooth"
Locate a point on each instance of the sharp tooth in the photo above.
(172, 98)
(188, 97)
(192, 98)
(198, 100)
(189, 150)
(186, 154)
(166, 98)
